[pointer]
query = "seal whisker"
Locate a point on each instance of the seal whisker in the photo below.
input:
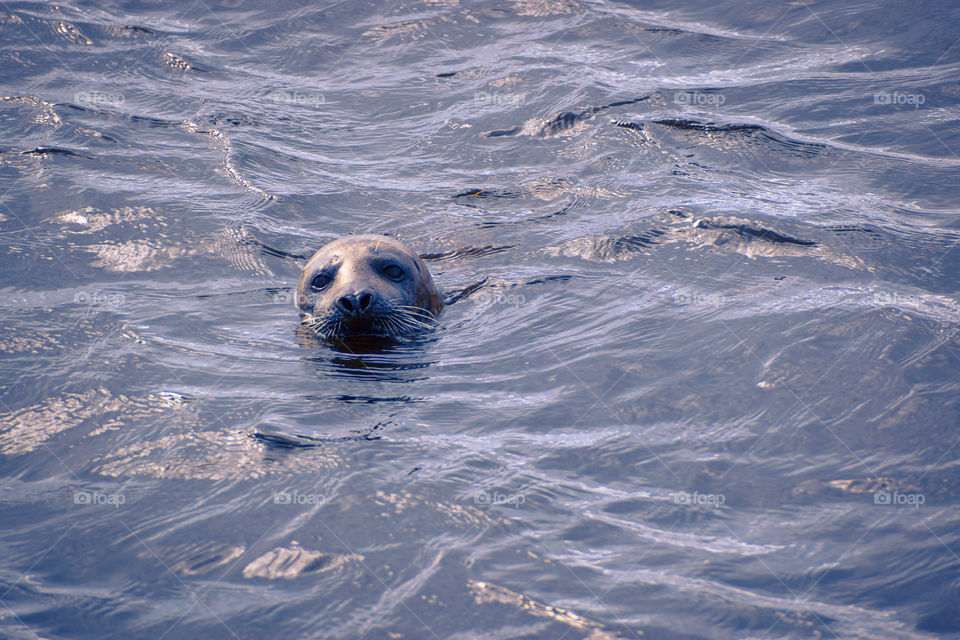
(395, 323)
(401, 321)
(417, 313)
(383, 325)
(414, 309)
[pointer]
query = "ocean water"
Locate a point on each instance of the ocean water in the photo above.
(697, 376)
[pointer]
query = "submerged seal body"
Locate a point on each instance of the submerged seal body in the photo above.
(367, 285)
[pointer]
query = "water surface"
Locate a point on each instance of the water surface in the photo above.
(699, 373)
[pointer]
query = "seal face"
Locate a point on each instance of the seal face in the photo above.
(367, 285)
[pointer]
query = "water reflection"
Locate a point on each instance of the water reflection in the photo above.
(708, 336)
(383, 359)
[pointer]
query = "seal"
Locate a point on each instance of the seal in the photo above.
(367, 286)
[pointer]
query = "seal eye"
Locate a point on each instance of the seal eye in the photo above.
(320, 281)
(393, 272)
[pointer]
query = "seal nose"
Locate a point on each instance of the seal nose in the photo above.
(355, 303)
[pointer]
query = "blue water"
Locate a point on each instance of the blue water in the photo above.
(697, 377)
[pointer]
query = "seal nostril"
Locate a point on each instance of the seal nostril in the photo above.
(346, 303)
(364, 300)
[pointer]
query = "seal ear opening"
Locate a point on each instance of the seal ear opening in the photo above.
(427, 295)
(435, 303)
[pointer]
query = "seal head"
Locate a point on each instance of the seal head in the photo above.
(367, 285)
